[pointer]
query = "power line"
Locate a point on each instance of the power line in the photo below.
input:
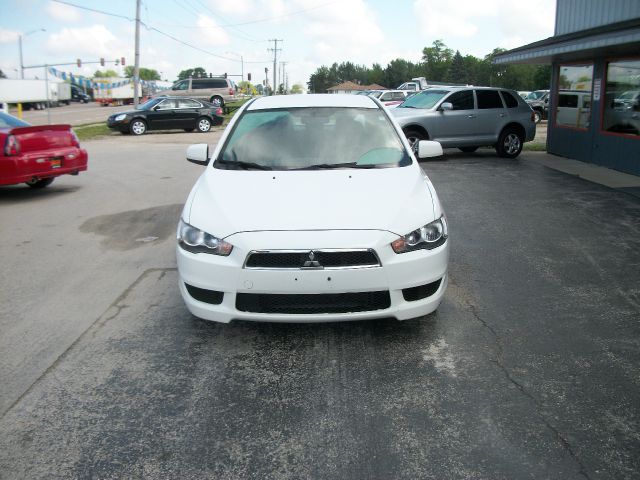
(149, 27)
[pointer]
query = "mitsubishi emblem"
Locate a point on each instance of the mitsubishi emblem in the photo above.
(312, 263)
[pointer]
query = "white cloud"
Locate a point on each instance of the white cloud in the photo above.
(529, 21)
(96, 41)
(8, 36)
(210, 32)
(62, 12)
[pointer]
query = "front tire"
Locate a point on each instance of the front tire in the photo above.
(537, 116)
(413, 137)
(204, 124)
(42, 183)
(138, 127)
(509, 143)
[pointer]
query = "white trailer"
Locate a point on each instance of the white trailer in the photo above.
(33, 93)
(104, 94)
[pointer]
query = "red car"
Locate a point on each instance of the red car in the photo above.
(36, 155)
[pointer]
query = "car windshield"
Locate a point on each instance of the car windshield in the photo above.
(629, 95)
(535, 95)
(149, 104)
(375, 94)
(426, 99)
(313, 138)
(9, 121)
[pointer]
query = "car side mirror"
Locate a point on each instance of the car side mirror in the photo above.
(198, 153)
(429, 149)
(446, 106)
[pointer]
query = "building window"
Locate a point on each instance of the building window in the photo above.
(622, 98)
(574, 96)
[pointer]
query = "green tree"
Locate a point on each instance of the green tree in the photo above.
(247, 87)
(105, 74)
(296, 88)
(458, 71)
(145, 73)
(192, 72)
(437, 60)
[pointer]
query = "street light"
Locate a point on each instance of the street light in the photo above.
(20, 46)
(241, 64)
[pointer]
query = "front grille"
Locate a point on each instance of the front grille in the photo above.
(421, 291)
(321, 259)
(313, 303)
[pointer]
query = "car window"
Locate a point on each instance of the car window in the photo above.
(397, 96)
(183, 85)
(166, 104)
(488, 99)
(509, 99)
(462, 100)
(386, 97)
(314, 138)
(426, 99)
(568, 100)
(188, 103)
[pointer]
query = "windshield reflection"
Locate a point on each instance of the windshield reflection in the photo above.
(313, 139)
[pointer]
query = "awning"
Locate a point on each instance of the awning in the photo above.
(620, 38)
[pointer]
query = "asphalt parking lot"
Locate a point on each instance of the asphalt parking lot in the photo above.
(530, 369)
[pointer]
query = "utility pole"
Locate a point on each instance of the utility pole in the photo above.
(284, 78)
(136, 68)
(275, 50)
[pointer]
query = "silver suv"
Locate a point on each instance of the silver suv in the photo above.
(468, 118)
(217, 90)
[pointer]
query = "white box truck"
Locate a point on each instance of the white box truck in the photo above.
(107, 95)
(33, 93)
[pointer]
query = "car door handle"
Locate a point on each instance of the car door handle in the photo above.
(502, 114)
(471, 116)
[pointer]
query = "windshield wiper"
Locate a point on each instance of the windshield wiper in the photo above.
(406, 106)
(335, 166)
(327, 166)
(245, 165)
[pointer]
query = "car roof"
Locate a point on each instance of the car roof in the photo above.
(313, 100)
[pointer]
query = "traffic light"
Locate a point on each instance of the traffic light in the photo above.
(117, 62)
(79, 62)
(248, 77)
(122, 61)
(102, 62)
(225, 74)
(266, 70)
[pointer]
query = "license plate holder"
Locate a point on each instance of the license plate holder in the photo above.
(55, 162)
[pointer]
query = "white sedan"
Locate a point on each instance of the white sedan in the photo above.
(312, 208)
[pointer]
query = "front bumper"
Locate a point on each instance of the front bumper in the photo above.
(226, 279)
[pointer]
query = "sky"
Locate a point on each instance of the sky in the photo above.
(235, 36)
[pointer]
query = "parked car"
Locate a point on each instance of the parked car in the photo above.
(574, 108)
(35, 155)
(390, 98)
(312, 208)
(523, 93)
(539, 103)
(624, 116)
(164, 113)
(216, 90)
(468, 118)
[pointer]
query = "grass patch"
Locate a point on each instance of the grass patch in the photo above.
(535, 147)
(93, 131)
(235, 105)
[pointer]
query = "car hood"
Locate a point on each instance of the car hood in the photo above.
(402, 113)
(225, 202)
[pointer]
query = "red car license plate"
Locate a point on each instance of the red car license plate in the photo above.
(56, 162)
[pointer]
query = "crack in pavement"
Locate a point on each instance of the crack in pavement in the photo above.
(91, 329)
(498, 361)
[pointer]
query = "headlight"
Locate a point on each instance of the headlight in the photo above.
(428, 237)
(120, 117)
(196, 241)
